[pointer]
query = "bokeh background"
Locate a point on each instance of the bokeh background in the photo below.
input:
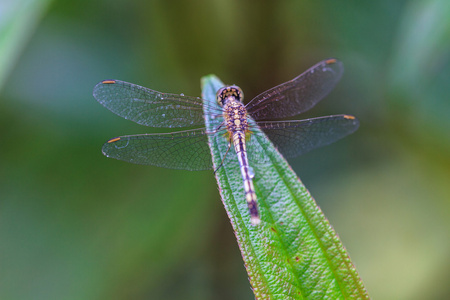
(76, 225)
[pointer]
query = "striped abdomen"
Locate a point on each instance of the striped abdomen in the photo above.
(238, 138)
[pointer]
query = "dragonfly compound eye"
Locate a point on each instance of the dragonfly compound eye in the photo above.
(227, 92)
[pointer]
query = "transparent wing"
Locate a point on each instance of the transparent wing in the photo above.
(148, 107)
(293, 138)
(187, 150)
(299, 94)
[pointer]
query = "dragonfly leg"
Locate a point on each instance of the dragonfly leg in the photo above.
(223, 159)
(215, 130)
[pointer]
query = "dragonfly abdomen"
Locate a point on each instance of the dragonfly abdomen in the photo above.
(247, 175)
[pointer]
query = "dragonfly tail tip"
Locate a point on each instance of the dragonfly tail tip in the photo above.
(255, 220)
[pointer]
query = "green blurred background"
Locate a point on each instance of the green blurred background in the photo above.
(76, 225)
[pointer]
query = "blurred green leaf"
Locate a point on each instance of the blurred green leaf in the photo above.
(422, 45)
(419, 72)
(18, 19)
(294, 253)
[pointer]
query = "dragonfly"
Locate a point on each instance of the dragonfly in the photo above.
(189, 149)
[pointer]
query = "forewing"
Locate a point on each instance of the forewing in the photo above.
(187, 150)
(293, 138)
(148, 107)
(299, 94)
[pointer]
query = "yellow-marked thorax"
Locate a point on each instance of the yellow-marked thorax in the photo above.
(234, 112)
(235, 116)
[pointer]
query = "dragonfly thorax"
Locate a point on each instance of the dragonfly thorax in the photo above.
(235, 116)
(229, 93)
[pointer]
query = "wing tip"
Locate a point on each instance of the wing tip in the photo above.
(108, 81)
(354, 121)
(333, 63)
(113, 140)
(97, 88)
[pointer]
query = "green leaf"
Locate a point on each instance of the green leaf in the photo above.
(18, 20)
(294, 253)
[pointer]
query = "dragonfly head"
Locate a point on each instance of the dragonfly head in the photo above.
(227, 93)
